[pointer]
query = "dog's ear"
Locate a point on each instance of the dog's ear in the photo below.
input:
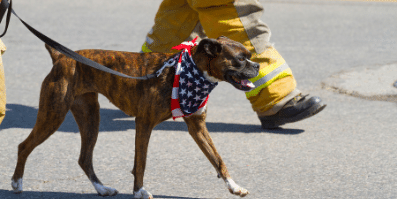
(210, 46)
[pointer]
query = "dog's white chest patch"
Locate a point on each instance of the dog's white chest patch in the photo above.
(210, 78)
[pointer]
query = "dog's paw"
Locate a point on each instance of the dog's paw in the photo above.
(142, 193)
(239, 191)
(236, 189)
(104, 191)
(17, 185)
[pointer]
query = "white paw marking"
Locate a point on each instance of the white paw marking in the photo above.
(235, 189)
(142, 193)
(17, 186)
(104, 191)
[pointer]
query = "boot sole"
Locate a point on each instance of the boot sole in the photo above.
(271, 124)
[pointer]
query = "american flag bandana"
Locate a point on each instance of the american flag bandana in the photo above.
(190, 89)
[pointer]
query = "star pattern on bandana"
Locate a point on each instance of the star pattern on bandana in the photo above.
(196, 89)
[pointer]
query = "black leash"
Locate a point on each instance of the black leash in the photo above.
(3, 8)
(59, 47)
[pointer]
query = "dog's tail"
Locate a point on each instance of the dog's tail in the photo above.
(53, 53)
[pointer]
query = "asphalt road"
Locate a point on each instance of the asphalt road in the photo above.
(346, 151)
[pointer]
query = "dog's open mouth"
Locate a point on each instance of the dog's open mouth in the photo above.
(241, 84)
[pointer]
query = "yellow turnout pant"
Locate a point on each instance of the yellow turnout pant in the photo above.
(178, 20)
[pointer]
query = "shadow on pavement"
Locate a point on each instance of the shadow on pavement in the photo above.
(21, 116)
(175, 197)
(6, 194)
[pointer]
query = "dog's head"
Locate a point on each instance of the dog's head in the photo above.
(223, 59)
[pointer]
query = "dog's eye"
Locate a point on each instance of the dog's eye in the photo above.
(241, 58)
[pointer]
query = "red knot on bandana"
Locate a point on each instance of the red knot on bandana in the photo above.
(190, 90)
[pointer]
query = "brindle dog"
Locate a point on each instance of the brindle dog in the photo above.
(73, 86)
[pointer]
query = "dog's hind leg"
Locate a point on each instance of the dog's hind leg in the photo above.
(85, 110)
(54, 104)
(198, 130)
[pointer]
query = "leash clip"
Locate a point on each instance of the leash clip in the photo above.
(169, 63)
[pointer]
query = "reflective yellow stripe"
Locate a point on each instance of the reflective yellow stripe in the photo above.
(268, 75)
(145, 49)
(271, 75)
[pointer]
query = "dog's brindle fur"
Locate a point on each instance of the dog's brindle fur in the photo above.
(73, 86)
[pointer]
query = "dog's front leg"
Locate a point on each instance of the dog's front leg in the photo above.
(142, 136)
(198, 130)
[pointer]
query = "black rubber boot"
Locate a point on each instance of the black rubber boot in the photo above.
(295, 110)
